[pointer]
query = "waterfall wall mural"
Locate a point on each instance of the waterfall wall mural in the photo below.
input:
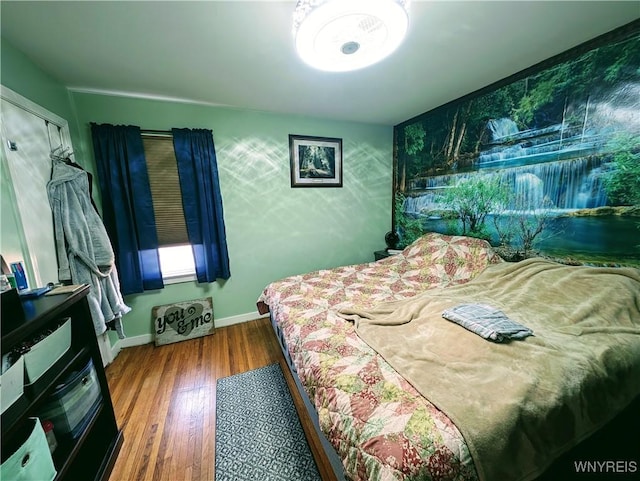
(546, 162)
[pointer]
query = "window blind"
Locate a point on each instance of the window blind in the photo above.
(165, 190)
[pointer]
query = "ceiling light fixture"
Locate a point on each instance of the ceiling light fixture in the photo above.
(342, 35)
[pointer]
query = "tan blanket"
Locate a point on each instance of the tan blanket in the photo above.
(520, 404)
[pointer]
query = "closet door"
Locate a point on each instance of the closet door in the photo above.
(28, 133)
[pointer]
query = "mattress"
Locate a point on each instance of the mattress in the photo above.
(380, 427)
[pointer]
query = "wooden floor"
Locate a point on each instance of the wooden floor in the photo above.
(165, 401)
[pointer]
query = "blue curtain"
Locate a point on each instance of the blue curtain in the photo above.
(127, 205)
(202, 202)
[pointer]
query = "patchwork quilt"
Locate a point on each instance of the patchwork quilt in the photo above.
(380, 426)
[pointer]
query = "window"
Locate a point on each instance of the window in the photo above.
(176, 256)
(131, 208)
(176, 263)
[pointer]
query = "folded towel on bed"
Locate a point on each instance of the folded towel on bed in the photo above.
(486, 321)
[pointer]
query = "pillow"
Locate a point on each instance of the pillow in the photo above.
(448, 258)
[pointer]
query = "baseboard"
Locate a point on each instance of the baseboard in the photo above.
(228, 321)
(148, 338)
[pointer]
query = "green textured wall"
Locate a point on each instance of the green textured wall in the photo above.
(21, 75)
(272, 230)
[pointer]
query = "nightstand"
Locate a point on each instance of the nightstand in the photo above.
(381, 254)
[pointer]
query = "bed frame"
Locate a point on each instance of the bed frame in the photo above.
(332, 455)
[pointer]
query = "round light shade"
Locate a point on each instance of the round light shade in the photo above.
(341, 35)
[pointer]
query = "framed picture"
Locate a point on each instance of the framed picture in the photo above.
(315, 161)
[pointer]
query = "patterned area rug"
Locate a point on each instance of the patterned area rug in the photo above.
(258, 432)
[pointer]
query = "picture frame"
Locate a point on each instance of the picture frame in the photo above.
(315, 161)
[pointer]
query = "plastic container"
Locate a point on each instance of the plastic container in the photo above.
(74, 402)
(47, 426)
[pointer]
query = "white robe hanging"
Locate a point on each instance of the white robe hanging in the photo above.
(85, 254)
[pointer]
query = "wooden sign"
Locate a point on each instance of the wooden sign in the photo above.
(183, 320)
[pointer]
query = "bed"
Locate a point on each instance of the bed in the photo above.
(382, 420)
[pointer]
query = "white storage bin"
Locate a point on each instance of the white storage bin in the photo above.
(12, 384)
(45, 353)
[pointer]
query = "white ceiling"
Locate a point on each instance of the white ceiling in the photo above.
(241, 54)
